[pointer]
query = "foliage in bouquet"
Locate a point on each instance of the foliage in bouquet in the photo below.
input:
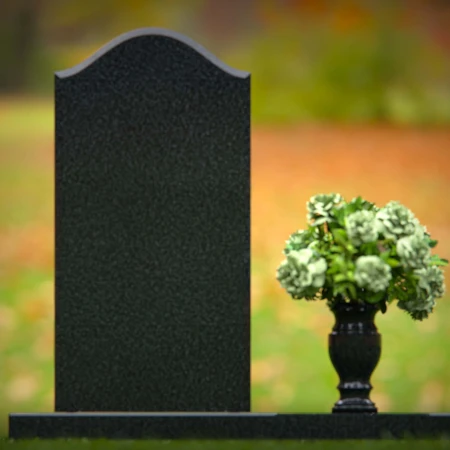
(356, 252)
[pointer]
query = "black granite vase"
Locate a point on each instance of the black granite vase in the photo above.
(355, 349)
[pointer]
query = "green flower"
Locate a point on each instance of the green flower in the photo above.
(413, 251)
(299, 240)
(361, 227)
(395, 221)
(421, 230)
(431, 281)
(302, 273)
(429, 287)
(418, 313)
(320, 207)
(372, 273)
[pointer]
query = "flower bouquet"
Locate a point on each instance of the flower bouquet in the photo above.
(356, 252)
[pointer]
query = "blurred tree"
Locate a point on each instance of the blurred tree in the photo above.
(40, 36)
(222, 22)
(19, 39)
(352, 15)
(70, 21)
(32, 30)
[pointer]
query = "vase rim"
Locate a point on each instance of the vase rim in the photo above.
(355, 306)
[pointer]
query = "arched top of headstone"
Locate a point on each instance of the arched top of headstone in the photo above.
(159, 32)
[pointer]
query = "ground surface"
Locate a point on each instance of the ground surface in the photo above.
(291, 371)
(225, 445)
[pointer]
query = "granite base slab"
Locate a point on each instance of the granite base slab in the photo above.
(227, 426)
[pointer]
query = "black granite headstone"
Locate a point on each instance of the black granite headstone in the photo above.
(152, 278)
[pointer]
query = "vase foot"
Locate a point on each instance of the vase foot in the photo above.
(354, 405)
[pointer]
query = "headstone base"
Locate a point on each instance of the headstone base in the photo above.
(227, 426)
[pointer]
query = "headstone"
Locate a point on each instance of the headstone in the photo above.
(152, 278)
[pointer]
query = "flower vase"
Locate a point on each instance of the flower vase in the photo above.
(355, 349)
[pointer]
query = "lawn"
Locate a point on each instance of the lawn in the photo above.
(291, 371)
(224, 445)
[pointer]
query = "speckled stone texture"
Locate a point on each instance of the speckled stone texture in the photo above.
(152, 229)
(230, 426)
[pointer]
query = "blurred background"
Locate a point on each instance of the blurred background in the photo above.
(347, 96)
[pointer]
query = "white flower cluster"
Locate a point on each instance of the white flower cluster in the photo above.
(361, 227)
(372, 273)
(302, 273)
(395, 221)
(430, 286)
(321, 206)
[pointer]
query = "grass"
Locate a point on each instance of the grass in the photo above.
(291, 371)
(224, 445)
(359, 75)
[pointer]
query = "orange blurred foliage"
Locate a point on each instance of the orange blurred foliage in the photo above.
(28, 247)
(380, 164)
(350, 16)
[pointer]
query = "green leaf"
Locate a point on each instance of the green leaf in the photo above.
(352, 250)
(391, 296)
(375, 298)
(439, 263)
(339, 289)
(352, 291)
(432, 243)
(340, 217)
(340, 236)
(332, 270)
(340, 232)
(369, 248)
(383, 307)
(392, 262)
(339, 278)
(436, 261)
(339, 262)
